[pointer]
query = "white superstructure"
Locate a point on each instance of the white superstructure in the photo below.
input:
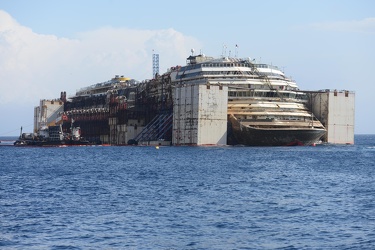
(260, 97)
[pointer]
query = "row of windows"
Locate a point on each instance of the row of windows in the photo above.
(218, 65)
(238, 64)
(265, 94)
(266, 66)
(194, 74)
(282, 118)
(225, 65)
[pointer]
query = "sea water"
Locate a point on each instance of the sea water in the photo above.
(137, 197)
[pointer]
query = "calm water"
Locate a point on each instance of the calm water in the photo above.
(319, 197)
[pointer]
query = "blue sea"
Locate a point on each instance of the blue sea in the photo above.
(138, 197)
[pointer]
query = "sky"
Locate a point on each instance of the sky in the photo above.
(51, 46)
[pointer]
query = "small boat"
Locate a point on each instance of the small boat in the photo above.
(52, 136)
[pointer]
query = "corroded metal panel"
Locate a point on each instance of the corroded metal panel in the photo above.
(185, 115)
(341, 111)
(336, 110)
(200, 115)
(213, 104)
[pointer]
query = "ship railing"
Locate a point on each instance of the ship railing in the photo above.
(161, 128)
(156, 129)
(313, 120)
(146, 129)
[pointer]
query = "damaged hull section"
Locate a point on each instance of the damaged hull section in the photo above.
(281, 136)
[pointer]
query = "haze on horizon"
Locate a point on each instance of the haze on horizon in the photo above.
(48, 47)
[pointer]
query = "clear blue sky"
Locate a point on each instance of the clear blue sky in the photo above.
(52, 46)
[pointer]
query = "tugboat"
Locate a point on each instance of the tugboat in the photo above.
(52, 136)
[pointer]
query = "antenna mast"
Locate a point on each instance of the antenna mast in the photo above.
(224, 52)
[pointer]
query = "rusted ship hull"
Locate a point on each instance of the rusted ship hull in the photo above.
(278, 136)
